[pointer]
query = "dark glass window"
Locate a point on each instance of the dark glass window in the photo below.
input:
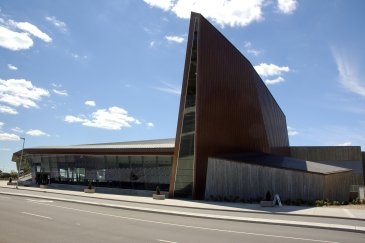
(187, 145)
(189, 122)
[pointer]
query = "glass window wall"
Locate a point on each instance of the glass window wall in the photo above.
(132, 172)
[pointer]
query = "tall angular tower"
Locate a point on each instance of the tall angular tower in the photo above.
(224, 108)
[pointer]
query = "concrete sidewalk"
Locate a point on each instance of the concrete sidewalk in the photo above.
(221, 207)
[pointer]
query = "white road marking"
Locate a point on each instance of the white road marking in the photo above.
(348, 213)
(191, 227)
(39, 201)
(36, 215)
(167, 241)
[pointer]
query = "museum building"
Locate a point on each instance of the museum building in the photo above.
(231, 141)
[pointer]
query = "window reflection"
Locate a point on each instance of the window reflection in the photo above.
(130, 172)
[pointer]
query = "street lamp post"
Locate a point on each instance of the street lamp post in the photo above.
(20, 163)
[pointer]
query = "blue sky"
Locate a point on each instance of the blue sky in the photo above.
(75, 72)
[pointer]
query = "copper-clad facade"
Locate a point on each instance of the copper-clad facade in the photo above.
(234, 111)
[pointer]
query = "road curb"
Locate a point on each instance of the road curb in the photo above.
(199, 208)
(347, 228)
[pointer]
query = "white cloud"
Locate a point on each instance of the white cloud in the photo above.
(163, 4)
(17, 130)
(60, 92)
(292, 131)
(274, 81)
(265, 70)
(270, 70)
(32, 29)
(12, 67)
(74, 119)
(90, 103)
(57, 85)
(222, 12)
(138, 122)
(16, 36)
(150, 124)
(78, 57)
(176, 39)
(287, 6)
(113, 118)
(250, 50)
(7, 110)
(344, 144)
(20, 92)
(58, 23)
(349, 73)
(8, 137)
(14, 41)
(169, 88)
(36, 133)
(152, 44)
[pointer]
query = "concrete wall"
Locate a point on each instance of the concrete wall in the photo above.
(251, 181)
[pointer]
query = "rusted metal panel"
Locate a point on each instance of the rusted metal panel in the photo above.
(327, 153)
(230, 115)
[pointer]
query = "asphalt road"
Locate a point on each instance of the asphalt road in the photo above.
(35, 220)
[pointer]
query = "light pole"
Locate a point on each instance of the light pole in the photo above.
(20, 163)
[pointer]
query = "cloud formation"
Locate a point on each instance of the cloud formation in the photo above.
(60, 92)
(265, 70)
(271, 70)
(90, 103)
(17, 130)
(223, 12)
(8, 137)
(12, 67)
(36, 133)
(292, 131)
(169, 88)
(274, 81)
(287, 6)
(14, 41)
(176, 39)
(20, 92)
(16, 36)
(349, 76)
(250, 50)
(33, 30)
(57, 23)
(7, 110)
(163, 4)
(113, 118)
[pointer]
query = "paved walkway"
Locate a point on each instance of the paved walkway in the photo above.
(221, 207)
(341, 212)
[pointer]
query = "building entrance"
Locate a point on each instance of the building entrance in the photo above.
(42, 178)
